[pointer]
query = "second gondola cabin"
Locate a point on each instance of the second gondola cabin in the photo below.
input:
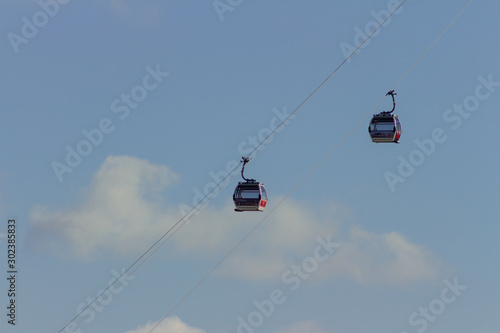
(385, 127)
(250, 196)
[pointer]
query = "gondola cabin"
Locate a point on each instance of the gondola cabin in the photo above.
(250, 196)
(385, 127)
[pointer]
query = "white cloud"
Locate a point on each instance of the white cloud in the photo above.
(388, 258)
(123, 213)
(289, 236)
(169, 325)
(285, 236)
(303, 327)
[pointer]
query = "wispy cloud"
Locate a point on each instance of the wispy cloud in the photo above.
(171, 324)
(123, 212)
(388, 258)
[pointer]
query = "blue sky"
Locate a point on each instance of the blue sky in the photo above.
(116, 115)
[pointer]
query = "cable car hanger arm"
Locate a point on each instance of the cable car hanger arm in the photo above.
(245, 160)
(392, 93)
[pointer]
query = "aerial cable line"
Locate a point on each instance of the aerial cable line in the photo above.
(152, 249)
(306, 176)
(211, 194)
(434, 42)
(271, 135)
